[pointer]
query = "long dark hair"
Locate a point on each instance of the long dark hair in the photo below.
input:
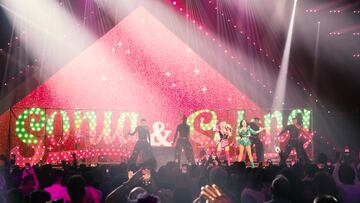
(241, 123)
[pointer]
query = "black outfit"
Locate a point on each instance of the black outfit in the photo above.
(259, 147)
(294, 142)
(143, 143)
(183, 143)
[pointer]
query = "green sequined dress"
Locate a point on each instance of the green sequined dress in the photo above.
(245, 135)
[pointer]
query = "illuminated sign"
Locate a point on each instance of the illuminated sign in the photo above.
(54, 135)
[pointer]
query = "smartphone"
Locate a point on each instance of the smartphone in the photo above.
(146, 176)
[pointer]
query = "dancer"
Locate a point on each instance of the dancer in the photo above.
(294, 142)
(183, 142)
(244, 142)
(221, 138)
(259, 147)
(143, 143)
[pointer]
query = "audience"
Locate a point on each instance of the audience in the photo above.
(76, 189)
(27, 185)
(209, 181)
(57, 190)
(15, 196)
(347, 183)
(280, 189)
(254, 192)
(325, 184)
(39, 196)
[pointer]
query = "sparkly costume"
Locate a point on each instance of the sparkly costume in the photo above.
(183, 143)
(245, 136)
(223, 132)
(244, 141)
(142, 145)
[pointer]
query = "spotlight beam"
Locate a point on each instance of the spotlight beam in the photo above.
(279, 96)
(44, 34)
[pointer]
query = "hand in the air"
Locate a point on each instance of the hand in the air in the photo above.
(134, 178)
(213, 194)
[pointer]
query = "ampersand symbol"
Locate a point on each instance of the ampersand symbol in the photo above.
(157, 138)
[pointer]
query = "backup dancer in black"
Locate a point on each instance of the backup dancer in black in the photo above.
(143, 143)
(294, 130)
(183, 130)
(259, 147)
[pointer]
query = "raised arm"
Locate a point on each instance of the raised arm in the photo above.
(31, 171)
(135, 131)
(253, 132)
(336, 174)
(120, 192)
(117, 194)
(260, 130)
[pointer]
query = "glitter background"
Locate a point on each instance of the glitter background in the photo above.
(140, 66)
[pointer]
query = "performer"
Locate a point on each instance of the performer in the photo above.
(294, 142)
(183, 142)
(244, 142)
(143, 143)
(222, 135)
(259, 147)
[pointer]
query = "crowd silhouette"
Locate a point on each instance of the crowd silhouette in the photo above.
(210, 180)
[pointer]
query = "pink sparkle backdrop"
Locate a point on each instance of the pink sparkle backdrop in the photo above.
(140, 66)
